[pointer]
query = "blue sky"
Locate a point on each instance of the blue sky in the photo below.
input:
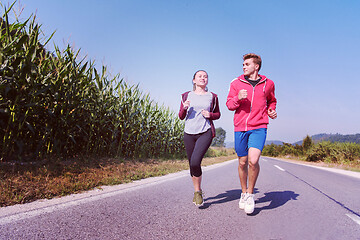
(310, 50)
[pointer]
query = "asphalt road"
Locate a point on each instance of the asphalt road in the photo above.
(292, 202)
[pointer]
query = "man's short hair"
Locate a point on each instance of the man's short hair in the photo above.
(256, 58)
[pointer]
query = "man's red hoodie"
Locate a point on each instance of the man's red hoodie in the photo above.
(252, 112)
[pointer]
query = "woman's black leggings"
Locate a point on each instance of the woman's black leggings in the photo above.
(196, 146)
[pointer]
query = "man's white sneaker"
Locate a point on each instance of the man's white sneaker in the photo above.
(250, 203)
(242, 201)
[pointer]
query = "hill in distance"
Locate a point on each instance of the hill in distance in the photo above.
(276, 142)
(355, 138)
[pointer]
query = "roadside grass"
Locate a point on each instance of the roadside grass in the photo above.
(343, 155)
(27, 183)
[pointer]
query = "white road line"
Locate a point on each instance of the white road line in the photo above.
(335, 170)
(354, 217)
(279, 168)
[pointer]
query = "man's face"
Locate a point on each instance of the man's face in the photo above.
(249, 67)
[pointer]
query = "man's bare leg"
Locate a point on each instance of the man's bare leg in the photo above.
(254, 168)
(243, 172)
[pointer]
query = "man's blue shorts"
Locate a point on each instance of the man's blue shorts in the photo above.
(245, 140)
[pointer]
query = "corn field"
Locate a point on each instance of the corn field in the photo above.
(55, 104)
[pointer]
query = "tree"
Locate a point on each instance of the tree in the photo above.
(219, 139)
(307, 143)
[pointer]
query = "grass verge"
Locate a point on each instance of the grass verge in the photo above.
(23, 184)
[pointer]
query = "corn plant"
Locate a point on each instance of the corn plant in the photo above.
(55, 104)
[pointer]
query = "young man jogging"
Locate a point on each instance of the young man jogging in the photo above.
(252, 97)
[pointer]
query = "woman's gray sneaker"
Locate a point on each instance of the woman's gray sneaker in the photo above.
(198, 199)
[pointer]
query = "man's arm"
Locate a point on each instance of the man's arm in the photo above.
(233, 101)
(271, 103)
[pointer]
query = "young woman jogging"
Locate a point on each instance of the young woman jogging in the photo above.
(199, 108)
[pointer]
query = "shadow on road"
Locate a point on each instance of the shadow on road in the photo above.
(276, 200)
(228, 196)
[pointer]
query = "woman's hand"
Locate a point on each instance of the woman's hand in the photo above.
(186, 104)
(205, 113)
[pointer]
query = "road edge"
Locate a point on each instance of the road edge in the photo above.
(335, 170)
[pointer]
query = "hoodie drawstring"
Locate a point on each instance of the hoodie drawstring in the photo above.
(264, 86)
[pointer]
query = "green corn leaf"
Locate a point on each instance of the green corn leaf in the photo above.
(21, 41)
(49, 38)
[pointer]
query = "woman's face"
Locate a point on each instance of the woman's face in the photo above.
(201, 79)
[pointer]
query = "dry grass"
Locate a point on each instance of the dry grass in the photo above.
(22, 184)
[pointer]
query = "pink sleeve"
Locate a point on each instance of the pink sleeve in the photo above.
(271, 100)
(233, 101)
